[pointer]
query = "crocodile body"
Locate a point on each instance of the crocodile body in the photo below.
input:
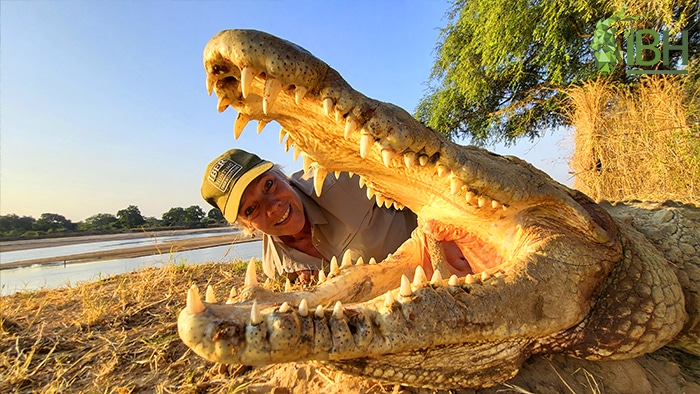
(551, 270)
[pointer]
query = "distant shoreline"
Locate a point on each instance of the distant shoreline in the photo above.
(138, 251)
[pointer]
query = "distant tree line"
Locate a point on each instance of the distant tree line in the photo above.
(13, 226)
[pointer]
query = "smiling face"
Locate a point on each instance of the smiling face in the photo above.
(271, 205)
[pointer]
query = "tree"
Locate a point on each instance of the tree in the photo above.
(53, 222)
(99, 222)
(193, 215)
(12, 224)
(190, 217)
(215, 215)
(502, 66)
(129, 217)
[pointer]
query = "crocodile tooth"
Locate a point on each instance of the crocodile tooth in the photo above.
(419, 278)
(318, 180)
(319, 311)
(362, 182)
(299, 94)
(303, 310)
(366, 142)
(255, 316)
(335, 270)
(423, 160)
(211, 81)
(283, 132)
(223, 103)
(454, 281)
(209, 297)
(347, 258)
(495, 204)
(240, 123)
(437, 278)
(284, 308)
(387, 156)
(455, 185)
(370, 193)
(288, 143)
(442, 170)
(372, 261)
(409, 159)
(388, 299)
(272, 89)
(482, 201)
(338, 310)
(321, 276)
(288, 286)
(485, 275)
(328, 106)
(247, 76)
(261, 126)
(405, 290)
(251, 279)
(380, 199)
(194, 303)
(470, 279)
(306, 161)
(360, 261)
(231, 295)
(337, 174)
(350, 127)
(350, 174)
(296, 153)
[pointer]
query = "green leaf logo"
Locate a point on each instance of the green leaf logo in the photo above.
(605, 48)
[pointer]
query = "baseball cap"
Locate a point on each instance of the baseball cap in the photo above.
(227, 177)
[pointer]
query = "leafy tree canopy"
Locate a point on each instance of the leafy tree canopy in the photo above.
(130, 217)
(53, 222)
(99, 222)
(502, 64)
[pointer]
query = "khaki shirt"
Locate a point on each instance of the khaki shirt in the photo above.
(341, 219)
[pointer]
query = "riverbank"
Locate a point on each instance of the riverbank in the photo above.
(110, 254)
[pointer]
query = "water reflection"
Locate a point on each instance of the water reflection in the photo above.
(54, 276)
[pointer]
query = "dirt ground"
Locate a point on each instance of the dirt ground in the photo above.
(119, 335)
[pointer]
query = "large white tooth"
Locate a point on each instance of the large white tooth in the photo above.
(306, 161)
(210, 297)
(370, 193)
(470, 279)
(231, 295)
(261, 126)
(409, 158)
(284, 308)
(362, 182)
(388, 299)
(303, 310)
(247, 76)
(194, 303)
(347, 258)
(211, 81)
(372, 261)
(455, 185)
(272, 89)
(338, 310)
(299, 94)
(485, 275)
(251, 279)
(283, 132)
(419, 278)
(337, 174)
(366, 142)
(405, 289)
(423, 160)
(321, 276)
(442, 170)
(387, 156)
(288, 286)
(288, 143)
(350, 126)
(437, 278)
(319, 311)
(334, 270)
(483, 201)
(318, 180)
(380, 199)
(296, 153)
(223, 103)
(328, 106)
(470, 197)
(495, 204)
(240, 123)
(361, 261)
(255, 316)
(454, 281)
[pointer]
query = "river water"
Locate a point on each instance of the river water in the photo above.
(54, 276)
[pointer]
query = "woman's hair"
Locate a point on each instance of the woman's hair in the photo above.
(279, 172)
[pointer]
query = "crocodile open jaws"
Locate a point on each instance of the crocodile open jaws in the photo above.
(549, 270)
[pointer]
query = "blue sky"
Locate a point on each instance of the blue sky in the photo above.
(103, 104)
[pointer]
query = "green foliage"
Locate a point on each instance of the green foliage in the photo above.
(502, 65)
(190, 217)
(129, 217)
(13, 225)
(216, 216)
(98, 222)
(53, 222)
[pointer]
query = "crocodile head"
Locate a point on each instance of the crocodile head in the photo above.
(538, 252)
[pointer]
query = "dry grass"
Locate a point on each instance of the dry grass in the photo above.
(636, 145)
